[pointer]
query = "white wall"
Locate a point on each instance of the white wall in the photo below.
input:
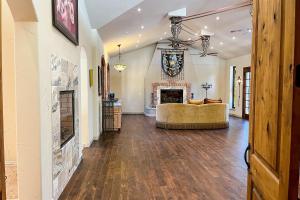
(134, 85)
(28, 111)
(129, 84)
(9, 84)
(240, 63)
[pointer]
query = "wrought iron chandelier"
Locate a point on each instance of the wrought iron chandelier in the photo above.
(120, 67)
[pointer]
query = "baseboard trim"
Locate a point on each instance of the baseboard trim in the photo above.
(133, 113)
(235, 115)
(11, 163)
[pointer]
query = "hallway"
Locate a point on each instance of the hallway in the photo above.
(143, 162)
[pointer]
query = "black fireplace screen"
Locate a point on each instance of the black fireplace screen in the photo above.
(66, 116)
(171, 96)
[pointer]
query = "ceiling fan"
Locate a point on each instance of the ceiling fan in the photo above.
(177, 26)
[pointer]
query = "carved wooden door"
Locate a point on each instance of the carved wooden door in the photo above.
(271, 137)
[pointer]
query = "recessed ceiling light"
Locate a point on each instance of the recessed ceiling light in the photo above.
(142, 27)
(170, 25)
(218, 18)
(140, 35)
(221, 43)
(161, 38)
(211, 47)
(165, 33)
(233, 37)
(139, 9)
(190, 39)
(249, 30)
(205, 27)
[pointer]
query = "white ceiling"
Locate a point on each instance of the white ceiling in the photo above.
(126, 29)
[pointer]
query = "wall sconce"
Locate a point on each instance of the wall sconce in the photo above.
(239, 81)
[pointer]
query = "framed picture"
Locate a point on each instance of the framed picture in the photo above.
(91, 75)
(65, 18)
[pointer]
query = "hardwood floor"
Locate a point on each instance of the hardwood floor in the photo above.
(143, 162)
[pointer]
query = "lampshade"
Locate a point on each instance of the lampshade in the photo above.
(120, 67)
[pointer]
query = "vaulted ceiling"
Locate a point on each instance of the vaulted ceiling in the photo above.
(138, 23)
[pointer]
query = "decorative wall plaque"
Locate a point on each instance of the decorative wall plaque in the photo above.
(172, 62)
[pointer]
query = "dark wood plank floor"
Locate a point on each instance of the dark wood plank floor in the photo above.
(143, 162)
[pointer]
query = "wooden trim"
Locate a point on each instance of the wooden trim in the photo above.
(295, 150)
(2, 163)
(252, 96)
(245, 70)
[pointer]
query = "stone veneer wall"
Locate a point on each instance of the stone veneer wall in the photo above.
(65, 76)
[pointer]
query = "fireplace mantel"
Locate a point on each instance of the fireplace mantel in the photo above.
(156, 87)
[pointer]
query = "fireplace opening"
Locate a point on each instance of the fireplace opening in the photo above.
(171, 96)
(67, 132)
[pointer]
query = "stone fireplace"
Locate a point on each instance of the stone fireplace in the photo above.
(65, 122)
(67, 131)
(171, 86)
(171, 96)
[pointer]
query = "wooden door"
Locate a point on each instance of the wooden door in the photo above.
(246, 92)
(2, 167)
(271, 107)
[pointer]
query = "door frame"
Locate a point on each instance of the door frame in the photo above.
(245, 70)
(2, 163)
(295, 150)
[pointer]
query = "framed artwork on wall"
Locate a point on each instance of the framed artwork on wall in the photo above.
(65, 18)
(91, 75)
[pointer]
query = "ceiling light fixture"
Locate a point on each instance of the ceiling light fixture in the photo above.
(120, 67)
(233, 37)
(165, 33)
(142, 27)
(205, 27)
(139, 9)
(217, 18)
(211, 47)
(221, 43)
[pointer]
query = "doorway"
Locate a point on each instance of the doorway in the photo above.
(246, 92)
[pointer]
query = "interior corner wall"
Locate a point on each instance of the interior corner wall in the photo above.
(240, 62)
(51, 41)
(28, 111)
(9, 84)
(129, 84)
